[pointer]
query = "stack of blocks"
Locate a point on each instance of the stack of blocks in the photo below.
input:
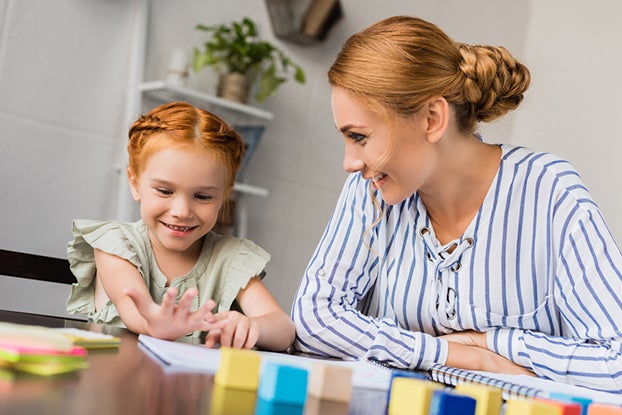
(283, 389)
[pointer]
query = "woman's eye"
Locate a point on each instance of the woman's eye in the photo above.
(357, 138)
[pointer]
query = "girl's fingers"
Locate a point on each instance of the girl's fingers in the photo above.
(212, 338)
(168, 301)
(252, 337)
(183, 307)
(240, 335)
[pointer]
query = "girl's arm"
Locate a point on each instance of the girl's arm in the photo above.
(264, 324)
(125, 287)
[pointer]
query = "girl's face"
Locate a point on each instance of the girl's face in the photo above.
(180, 193)
(398, 159)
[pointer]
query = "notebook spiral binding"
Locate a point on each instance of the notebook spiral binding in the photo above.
(453, 376)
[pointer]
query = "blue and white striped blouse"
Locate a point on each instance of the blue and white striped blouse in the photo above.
(537, 269)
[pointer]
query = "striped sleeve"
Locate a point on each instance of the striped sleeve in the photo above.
(341, 272)
(587, 287)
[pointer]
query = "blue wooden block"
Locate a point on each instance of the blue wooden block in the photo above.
(450, 403)
(274, 408)
(563, 397)
(283, 384)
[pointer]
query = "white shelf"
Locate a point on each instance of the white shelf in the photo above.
(162, 91)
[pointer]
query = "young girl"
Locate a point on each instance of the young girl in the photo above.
(163, 274)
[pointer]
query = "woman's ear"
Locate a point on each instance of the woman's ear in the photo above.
(133, 182)
(437, 118)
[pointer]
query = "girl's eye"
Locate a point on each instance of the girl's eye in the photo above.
(203, 197)
(357, 138)
(164, 191)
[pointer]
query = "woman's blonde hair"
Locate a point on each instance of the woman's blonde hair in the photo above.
(399, 63)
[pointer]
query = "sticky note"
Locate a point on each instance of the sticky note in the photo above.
(518, 406)
(283, 384)
(410, 396)
(603, 409)
(238, 369)
(489, 400)
(330, 382)
(444, 402)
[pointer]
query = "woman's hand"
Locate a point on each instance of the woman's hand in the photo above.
(239, 331)
(169, 320)
(468, 350)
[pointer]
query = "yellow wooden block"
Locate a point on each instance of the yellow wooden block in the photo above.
(238, 369)
(330, 382)
(410, 396)
(489, 399)
(226, 401)
(516, 406)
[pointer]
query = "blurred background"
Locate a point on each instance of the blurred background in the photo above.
(70, 71)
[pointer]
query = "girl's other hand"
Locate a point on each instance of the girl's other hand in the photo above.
(238, 331)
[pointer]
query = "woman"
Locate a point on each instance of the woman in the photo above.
(444, 248)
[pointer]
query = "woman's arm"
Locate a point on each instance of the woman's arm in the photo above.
(125, 287)
(264, 324)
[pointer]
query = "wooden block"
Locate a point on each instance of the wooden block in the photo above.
(283, 384)
(603, 409)
(566, 408)
(275, 408)
(410, 396)
(446, 402)
(232, 401)
(330, 382)
(564, 397)
(315, 406)
(489, 400)
(518, 406)
(238, 369)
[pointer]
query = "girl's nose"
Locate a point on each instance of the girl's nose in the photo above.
(180, 208)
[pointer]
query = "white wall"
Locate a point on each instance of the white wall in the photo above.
(64, 72)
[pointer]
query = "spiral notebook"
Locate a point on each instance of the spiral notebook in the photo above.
(519, 385)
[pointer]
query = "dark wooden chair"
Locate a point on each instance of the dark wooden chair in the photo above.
(35, 267)
(35, 284)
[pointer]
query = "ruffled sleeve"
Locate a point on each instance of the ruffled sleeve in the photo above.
(124, 240)
(234, 262)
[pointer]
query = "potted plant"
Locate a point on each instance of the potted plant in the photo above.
(236, 51)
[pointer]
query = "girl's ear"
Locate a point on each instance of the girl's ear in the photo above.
(437, 118)
(133, 182)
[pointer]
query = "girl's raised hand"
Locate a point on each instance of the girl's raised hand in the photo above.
(238, 331)
(169, 320)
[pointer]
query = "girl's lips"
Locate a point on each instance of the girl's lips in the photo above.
(378, 180)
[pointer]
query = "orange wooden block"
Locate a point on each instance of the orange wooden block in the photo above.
(602, 409)
(565, 408)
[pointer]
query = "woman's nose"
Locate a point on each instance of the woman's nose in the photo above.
(352, 161)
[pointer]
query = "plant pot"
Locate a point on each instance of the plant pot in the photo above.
(234, 86)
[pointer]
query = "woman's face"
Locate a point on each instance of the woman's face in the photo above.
(397, 158)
